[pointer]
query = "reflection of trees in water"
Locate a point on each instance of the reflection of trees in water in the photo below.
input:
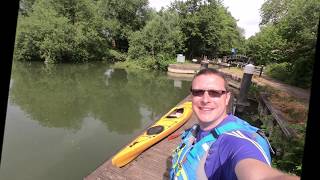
(62, 95)
(161, 93)
(114, 106)
(52, 98)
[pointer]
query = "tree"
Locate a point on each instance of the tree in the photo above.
(53, 33)
(160, 37)
(267, 46)
(273, 10)
(209, 27)
(299, 28)
(126, 16)
(288, 35)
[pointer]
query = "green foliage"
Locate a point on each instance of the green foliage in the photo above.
(160, 62)
(137, 45)
(117, 56)
(302, 72)
(273, 10)
(145, 63)
(156, 45)
(163, 61)
(298, 74)
(126, 17)
(267, 46)
(132, 65)
(83, 30)
(288, 34)
(35, 32)
(161, 35)
(289, 153)
(77, 30)
(49, 36)
(230, 34)
(280, 71)
(209, 27)
(74, 10)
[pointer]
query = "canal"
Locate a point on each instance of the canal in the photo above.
(65, 120)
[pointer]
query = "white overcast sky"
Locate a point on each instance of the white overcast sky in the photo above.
(245, 11)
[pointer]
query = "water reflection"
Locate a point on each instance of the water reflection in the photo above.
(65, 116)
(61, 96)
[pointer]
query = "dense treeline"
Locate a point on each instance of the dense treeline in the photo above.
(76, 30)
(84, 30)
(287, 40)
(131, 32)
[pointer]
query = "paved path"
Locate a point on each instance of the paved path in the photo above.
(299, 93)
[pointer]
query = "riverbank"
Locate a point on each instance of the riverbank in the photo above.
(292, 101)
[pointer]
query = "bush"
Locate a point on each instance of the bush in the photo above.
(163, 61)
(279, 71)
(117, 56)
(302, 72)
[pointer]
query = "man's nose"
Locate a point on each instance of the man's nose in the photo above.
(206, 97)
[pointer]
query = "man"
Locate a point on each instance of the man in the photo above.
(221, 146)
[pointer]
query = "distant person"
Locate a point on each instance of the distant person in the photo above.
(233, 52)
(221, 146)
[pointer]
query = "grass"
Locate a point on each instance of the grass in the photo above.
(295, 110)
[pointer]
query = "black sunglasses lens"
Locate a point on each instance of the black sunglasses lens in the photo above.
(212, 93)
(197, 92)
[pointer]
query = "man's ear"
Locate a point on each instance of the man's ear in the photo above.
(228, 95)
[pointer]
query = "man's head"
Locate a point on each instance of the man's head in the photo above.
(210, 97)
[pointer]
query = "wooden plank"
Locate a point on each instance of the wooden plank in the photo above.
(279, 117)
(138, 173)
(152, 165)
(106, 171)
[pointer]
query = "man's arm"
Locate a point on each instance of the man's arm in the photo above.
(252, 169)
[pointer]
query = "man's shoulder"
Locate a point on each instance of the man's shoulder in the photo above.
(236, 139)
(240, 145)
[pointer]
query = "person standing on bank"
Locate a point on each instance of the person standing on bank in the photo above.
(220, 146)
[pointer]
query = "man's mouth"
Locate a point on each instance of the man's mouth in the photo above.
(206, 108)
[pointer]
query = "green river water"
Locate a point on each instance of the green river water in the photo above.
(65, 120)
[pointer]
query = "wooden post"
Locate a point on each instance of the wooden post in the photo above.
(245, 85)
(261, 69)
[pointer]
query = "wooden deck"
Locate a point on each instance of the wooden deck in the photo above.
(151, 164)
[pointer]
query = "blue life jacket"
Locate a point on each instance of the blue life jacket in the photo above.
(188, 158)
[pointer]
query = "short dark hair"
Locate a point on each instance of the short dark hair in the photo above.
(208, 71)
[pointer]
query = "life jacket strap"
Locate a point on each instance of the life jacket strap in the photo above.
(214, 133)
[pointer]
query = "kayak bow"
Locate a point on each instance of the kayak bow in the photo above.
(166, 125)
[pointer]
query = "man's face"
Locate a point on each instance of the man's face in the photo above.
(209, 107)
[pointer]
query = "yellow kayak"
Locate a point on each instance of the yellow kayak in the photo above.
(167, 124)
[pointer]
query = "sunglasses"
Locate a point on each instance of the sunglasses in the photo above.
(211, 92)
